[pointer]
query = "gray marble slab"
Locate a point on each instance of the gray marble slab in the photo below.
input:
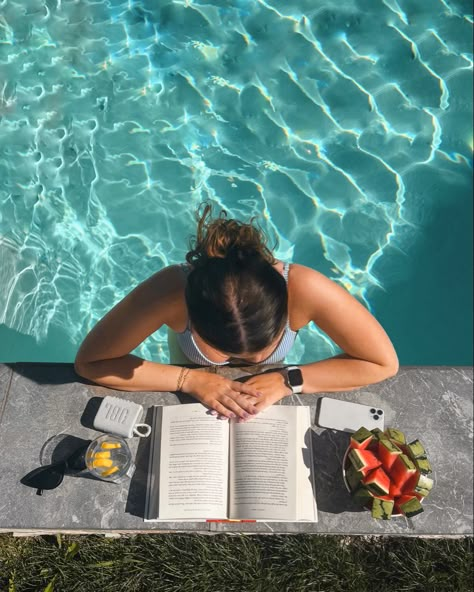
(48, 404)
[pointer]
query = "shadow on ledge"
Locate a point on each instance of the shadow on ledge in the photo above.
(331, 493)
(137, 491)
(48, 373)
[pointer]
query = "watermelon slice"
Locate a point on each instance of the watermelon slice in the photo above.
(410, 507)
(387, 453)
(402, 499)
(382, 509)
(361, 439)
(377, 482)
(395, 490)
(418, 483)
(376, 435)
(363, 460)
(401, 470)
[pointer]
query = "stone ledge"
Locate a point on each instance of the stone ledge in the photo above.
(131, 533)
(40, 401)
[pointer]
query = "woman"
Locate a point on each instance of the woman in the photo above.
(233, 301)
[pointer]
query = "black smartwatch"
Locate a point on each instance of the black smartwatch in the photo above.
(294, 379)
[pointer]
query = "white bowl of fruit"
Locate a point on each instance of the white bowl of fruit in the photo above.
(386, 474)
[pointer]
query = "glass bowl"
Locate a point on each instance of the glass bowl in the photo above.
(109, 458)
(345, 463)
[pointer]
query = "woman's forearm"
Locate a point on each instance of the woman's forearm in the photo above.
(343, 373)
(130, 373)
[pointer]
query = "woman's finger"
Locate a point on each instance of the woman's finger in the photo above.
(247, 389)
(222, 410)
(241, 408)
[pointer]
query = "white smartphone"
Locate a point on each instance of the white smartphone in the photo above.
(349, 417)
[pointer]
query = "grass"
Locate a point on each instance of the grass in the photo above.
(227, 563)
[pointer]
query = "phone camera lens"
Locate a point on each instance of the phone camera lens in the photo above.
(376, 416)
(379, 411)
(372, 410)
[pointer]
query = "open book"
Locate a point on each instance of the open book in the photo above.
(201, 468)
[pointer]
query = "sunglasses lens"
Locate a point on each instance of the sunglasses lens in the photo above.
(44, 478)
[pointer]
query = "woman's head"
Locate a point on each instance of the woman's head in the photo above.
(237, 301)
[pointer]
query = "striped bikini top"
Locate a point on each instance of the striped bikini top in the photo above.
(191, 350)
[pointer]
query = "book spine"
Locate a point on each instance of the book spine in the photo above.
(152, 502)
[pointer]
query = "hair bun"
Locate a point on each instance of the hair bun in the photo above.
(227, 239)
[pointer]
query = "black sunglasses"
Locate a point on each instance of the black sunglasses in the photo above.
(51, 476)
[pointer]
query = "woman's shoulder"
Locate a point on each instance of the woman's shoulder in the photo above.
(165, 288)
(306, 286)
(166, 281)
(308, 283)
(300, 274)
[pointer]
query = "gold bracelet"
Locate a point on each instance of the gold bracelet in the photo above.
(188, 370)
(182, 378)
(178, 385)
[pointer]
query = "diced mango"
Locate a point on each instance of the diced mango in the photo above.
(109, 472)
(105, 454)
(102, 462)
(110, 445)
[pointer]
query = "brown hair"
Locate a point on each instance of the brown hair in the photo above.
(237, 301)
(215, 238)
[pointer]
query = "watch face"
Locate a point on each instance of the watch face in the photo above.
(295, 377)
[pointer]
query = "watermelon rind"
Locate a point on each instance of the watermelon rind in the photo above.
(376, 435)
(363, 496)
(423, 465)
(353, 477)
(425, 482)
(411, 508)
(382, 509)
(407, 461)
(423, 492)
(422, 482)
(377, 432)
(416, 449)
(397, 436)
(361, 439)
(377, 482)
(389, 445)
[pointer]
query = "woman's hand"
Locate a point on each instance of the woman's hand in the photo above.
(228, 398)
(272, 386)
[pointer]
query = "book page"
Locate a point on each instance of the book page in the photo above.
(262, 466)
(193, 464)
(305, 491)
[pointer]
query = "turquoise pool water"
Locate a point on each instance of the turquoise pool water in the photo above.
(344, 126)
